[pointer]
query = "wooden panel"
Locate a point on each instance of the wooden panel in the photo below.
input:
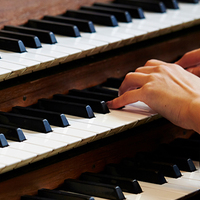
(16, 12)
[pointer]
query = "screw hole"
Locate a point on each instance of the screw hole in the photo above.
(24, 98)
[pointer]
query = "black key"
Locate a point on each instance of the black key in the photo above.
(62, 195)
(167, 169)
(28, 40)
(185, 164)
(145, 5)
(76, 109)
(127, 185)
(173, 4)
(181, 151)
(189, 1)
(92, 95)
(23, 121)
(56, 27)
(147, 175)
(28, 197)
(83, 25)
(53, 118)
(44, 36)
(113, 82)
(95, 17)
(100, 89)
(94, 189)
(3, 141)
(96, 105)
(122, 16)
(10, 44)
(12, 133)
(135, 12)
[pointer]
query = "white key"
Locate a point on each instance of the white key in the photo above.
(2, 166)
(185, 17)
(4, 73)
(150, 193)
(191, 9)
(29, 65)
(184, 182)
(43, 60)
(114, 42)
(127, 37)
(57, 142)
(164, 18)
(100, 131)
(85, 136)
(24, 157)
(197, 165)
(145, 28)
(42, 152)
(167, 187)
(14, 69)
(114, 122)
(138, 112)
(99, 45)
(191, 175)
(8, 163)
(87, 49)
(60, 53)
(118, 120)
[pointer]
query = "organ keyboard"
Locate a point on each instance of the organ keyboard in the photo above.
(44, 160)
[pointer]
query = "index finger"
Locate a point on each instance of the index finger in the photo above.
(127, 98)
(132, 80)
(190, 59)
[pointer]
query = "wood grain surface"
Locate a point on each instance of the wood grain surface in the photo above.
(17, 12)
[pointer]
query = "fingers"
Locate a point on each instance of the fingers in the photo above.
(154, 62)
(151, 66)
(195, 70)
(127, 98)
(128, 90)
(141, 76)
(190, 59)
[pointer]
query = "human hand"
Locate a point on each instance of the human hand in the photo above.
(166, 88)
(191, 62)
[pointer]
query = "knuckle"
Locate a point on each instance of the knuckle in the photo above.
(129, 75)
(138, 69)
(150, 62)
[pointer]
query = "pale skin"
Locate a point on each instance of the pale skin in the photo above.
(167, 88)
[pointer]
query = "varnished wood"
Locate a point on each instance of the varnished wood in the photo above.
(92, 158)
(14, 12)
